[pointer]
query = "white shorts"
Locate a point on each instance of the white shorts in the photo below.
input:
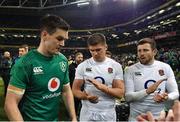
(90, 115)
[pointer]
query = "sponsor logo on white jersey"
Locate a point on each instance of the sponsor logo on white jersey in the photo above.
(38, 70)
(88, 69)
(138, 74)
(53, 84)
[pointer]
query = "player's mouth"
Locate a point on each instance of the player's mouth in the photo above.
(58, 48)
(142, 58)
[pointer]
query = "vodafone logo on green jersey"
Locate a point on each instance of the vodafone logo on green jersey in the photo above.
(53, 84)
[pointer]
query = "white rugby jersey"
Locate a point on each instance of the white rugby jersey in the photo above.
(103, 72)
(139, 77)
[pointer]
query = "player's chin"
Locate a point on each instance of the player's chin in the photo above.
(54, 52)
(143, 61)
(57, 52)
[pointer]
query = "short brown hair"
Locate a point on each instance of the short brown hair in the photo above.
(149, 41)
(96, 38)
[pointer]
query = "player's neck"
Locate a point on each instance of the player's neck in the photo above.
(150, 62)
(42, 51)
(100, 59)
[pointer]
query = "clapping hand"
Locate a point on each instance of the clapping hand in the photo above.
(153, 87)
(160, 97)
(173, 115)
(97, 84)
(91, 98)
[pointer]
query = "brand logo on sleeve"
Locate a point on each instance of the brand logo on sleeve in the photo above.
(53, 84)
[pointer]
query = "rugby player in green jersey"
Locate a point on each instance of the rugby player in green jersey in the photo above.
(40, 77)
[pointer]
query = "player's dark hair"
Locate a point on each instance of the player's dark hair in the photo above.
(52, 22)
(95, 39)
(149, 41)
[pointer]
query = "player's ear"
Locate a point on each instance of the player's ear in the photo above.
(44, 35)
(106, 46)
(155, 51)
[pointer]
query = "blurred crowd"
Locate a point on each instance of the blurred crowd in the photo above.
(165, 54)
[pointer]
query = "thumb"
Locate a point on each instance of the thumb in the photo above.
(150, 116)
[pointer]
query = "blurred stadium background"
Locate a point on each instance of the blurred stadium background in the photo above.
(123, 22)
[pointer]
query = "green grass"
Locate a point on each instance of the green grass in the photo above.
(2, 113)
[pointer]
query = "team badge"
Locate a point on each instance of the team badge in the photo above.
(88, 69)
(53, 84)
(110, 70)
(62, 66)
(161, 72)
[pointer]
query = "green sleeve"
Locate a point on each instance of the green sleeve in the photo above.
(66, 76)
(20, 75)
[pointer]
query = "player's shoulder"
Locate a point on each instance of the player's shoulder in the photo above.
(60, 56)
(87, 63)
(27, 58)
(25, 61)
(112, 61)
(134, 67)
(161, 64)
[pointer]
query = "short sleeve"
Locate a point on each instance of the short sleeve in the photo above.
(66, 75)
(119, 72)
(79, 71)
(20, 75)
(128, 78)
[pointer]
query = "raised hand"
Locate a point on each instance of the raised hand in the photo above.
(160, 97)
(91, 98)
(172, 116)
(97, 84)
(153, 87)
(145, 117)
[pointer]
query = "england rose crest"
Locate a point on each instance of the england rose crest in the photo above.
(110, 70)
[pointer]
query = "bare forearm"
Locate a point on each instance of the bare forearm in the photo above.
(80, 95)
(115, 92)
(69, 102)
(13, 113)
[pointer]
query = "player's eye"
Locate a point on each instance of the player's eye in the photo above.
(60, 38)
(97, 50)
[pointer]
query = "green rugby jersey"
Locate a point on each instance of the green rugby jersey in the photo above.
(43, 79)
